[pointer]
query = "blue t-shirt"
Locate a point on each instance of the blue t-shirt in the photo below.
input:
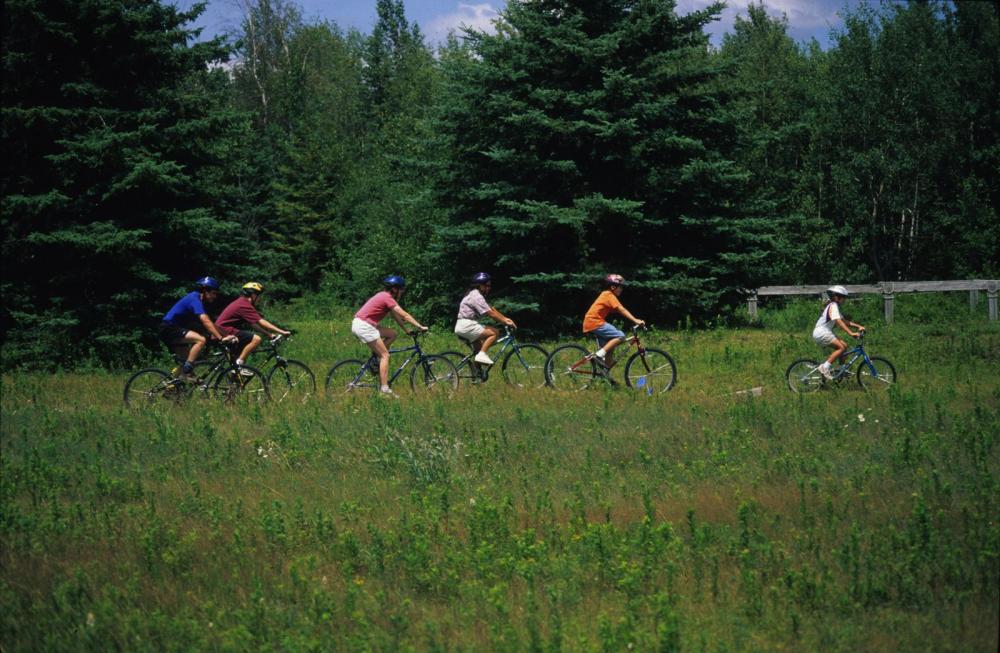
(185, 312)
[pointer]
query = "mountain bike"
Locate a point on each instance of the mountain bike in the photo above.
(287, 379)
(217, 377)
(523, 365)
(873, 373)
(648, 370)
(429, 372)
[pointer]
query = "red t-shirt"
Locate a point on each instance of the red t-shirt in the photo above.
(376, 308)
(240, 315)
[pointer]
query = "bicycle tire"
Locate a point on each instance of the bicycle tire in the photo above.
(467, 373)
(153, 386)
(291, 380)
(652, 371)
(347, 376)
(803, 376)
(884, 377)
(241, 385)
(434, 374)
(565, 368)
(524, 366)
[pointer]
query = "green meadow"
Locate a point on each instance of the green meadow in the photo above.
(500, 519)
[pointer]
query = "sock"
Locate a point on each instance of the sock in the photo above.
(239, 361)
(385, 388)
(825, 365)
(600, 353)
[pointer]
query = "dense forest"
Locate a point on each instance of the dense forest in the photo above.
(579, 138)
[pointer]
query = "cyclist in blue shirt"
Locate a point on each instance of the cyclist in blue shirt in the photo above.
(186, 324)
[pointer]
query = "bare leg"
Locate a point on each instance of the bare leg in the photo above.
(839, 347)
(379, 348)
(254, 342)
(487, 339)
(197, 344)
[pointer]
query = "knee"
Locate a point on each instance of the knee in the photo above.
(255, 340)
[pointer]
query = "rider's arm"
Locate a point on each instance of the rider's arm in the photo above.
(399, 315)
(500, 317)
(843, 325)
(271, 327)
(635, 320)
(210, 326)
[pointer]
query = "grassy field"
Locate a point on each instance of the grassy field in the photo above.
(508, 520)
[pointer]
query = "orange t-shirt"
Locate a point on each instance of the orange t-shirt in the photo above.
(605, 304)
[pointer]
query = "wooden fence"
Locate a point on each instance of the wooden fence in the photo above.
(888, 290)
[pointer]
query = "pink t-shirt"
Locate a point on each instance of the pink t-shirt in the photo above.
(376, 308)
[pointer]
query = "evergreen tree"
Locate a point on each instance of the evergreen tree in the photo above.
(107, 129)
(589, 137)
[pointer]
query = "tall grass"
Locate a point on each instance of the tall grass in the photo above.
(500, 519)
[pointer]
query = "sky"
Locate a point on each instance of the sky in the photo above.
(806, 18)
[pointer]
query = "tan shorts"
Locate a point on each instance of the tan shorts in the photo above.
(469, 330)
(365, 332)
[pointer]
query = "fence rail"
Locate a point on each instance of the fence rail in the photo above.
(888, 290)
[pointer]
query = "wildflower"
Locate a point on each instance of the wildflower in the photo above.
(91, 620)
(861, 418)
(472, 501)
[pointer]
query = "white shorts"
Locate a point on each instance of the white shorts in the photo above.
(823, 336)
(468, 329)
(365, 332)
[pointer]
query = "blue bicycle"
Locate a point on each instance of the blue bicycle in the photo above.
(873, 373)
(429, 372)
(522, 364)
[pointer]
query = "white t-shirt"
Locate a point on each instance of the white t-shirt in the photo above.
(831, 313)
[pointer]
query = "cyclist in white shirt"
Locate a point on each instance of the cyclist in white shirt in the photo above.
(474, 306)
(823, 331)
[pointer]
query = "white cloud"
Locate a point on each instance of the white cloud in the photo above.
(478, 16)
(805, 17)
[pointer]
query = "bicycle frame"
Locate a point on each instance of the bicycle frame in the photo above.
(372, 362)
(858, 351)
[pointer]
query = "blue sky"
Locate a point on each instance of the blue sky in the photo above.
(806, 18)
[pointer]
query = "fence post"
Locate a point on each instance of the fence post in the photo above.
(991, 300)
(752, 304)
(888, 297)
(973, 299)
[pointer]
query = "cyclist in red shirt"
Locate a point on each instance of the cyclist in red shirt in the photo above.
(241, 316)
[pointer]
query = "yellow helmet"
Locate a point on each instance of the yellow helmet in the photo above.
(252, 287)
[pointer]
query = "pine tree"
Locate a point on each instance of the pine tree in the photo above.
(590, 137)
(108, 128)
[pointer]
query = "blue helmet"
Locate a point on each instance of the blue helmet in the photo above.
(481, 278)
(394, 281)
(207, 283)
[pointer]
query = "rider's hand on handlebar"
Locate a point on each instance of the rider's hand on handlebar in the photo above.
(511, 324)
(423, 329)
(229, 340)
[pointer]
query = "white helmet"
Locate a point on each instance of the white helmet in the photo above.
(837, 290)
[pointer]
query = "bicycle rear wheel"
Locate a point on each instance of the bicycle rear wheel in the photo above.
(568, 368)
(651, 371)
(434, 374)
(153, 386)
(524, 366)
(241, 386)
(292, 381)
(803, 376)
(348, 376)
(880, 378)
(468, 373)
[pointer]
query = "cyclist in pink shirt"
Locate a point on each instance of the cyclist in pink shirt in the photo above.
(366, 323)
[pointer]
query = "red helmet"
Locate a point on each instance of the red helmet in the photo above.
(614, 280)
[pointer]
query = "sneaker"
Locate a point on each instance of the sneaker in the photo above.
(825, 371)
(481, 357)
(244, 371)
(388, 393)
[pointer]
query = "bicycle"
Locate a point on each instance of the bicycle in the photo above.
(218, 376)
(874, 372)
(648, 369)
(287, 378)
(430, 371)
(522, 366)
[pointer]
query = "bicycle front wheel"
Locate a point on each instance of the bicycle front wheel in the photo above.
(568, 368)
(241, 386)
(434, 374)
(877, 376)
(524, 366)
(349, 375)
(803, 376)
(153, 386)
(291, 381)
(651, 371)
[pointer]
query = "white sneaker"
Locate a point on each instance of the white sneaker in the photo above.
(825, 371)
(387, 392)
(600, 353)
(481, 357)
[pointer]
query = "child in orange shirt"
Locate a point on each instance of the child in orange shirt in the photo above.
(595, 322)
